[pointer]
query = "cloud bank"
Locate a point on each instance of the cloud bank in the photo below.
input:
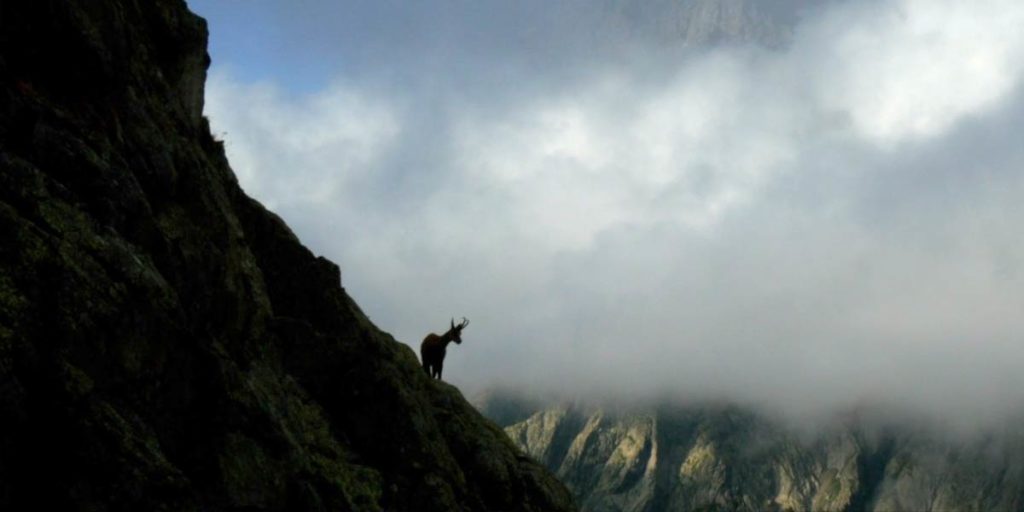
(833, 223)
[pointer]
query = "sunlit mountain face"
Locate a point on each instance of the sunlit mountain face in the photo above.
(706, 456)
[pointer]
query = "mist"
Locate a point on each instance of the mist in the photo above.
(811, 222)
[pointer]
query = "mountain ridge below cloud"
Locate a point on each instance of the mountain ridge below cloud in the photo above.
(707, 456)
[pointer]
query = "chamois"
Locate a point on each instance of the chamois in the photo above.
(433, 348)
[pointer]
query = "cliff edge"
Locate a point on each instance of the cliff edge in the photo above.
(168, 344)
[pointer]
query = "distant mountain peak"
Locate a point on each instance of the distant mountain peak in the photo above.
(695, 23)
(711, 456)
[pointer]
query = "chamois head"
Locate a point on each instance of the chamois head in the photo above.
(456, 330)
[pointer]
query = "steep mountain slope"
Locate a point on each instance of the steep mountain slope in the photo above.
(725, 458)
(168, 344)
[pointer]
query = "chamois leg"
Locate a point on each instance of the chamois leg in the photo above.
(440, 366)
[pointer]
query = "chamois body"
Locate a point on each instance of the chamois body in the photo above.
(434, 347)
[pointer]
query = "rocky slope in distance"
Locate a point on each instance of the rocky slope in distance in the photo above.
(168, 344)
(699, 23)
(714, 457)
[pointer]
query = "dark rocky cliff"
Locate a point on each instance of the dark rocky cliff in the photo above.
(168, 344)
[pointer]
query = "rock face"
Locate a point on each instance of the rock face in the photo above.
(725, 458)
(168, 344)
(696, 23)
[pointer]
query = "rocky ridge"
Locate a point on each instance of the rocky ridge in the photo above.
(168, 344)
(715, 457)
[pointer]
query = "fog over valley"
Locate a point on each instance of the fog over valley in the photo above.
(806, 206)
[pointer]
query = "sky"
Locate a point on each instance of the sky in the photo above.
(824, 221)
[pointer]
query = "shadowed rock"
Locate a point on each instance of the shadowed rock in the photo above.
(168, 344)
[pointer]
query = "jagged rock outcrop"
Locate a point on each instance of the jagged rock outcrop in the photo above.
(168, 344)
(676, 458)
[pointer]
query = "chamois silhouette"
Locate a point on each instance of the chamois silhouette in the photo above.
(434, 346)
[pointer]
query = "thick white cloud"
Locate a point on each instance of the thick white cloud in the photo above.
(825, 225)
(912, 68)
(302, 151)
